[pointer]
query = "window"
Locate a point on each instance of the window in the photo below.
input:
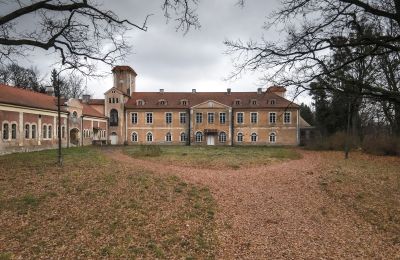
(44, 134)
(149, 137)
(286, 118)
(184, 102)
(272, 138)
(117, 100)
(222, 118)
(33, 129)
(222, 137)
(199, 118)
(113, 117)
(272, 117)
(211, 118)
(182, 118)
(149, 118)
(14, 131)
(140, 102)
(27, 130)
(240, 137)
(162, 102)
(168, 118)
(62, 132)
(6, 131)
(113, 100)
(253, 117)
(134, 118)
(199, 137)
(134, 137)
(183, 137)
(239, 118)
(254, 102)
(272, 102)
(50, 132)
(254, 137)
(109, 100)
(168, 137)
(237, 102)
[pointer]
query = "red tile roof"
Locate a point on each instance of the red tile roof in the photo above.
(94, 101)
(173, 99)
(27, 98)
(124, 68)
(276, 89)
(90, 111)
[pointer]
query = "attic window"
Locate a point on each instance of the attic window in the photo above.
(140, 102)
(162, 102)
(253, 101)
(272, 101)
(184, 102)
(237, 102)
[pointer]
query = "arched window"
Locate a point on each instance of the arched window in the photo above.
(113, 117)
(6, 131)
(44, 134)
(27, 130)
(168, 137)
(14, 131)
(183, 137)
(149, 137)
(199, 137)
(134, 137)
(50, 132)
(33, 129)
(63, 132)
(240, 137)
(254, 137)
(272, 137)
(222, 137)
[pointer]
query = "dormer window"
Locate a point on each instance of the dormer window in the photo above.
(238, 102)
(253, 101)
(162, 102)
(272, 101)
(140, 102)
(184, 102)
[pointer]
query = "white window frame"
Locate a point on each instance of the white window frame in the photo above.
(290, 117)
(137, 137)
(29, 131)
(8, 130)
(146, 118)
(251, 117)
(220, 139)
(147, 137)
(136, 118)
(237, 137)
(220, 121)
(185, 135)
(269, 137)
(166, 137)
(269, 116)
(180, 117)
(201, 117)
(166, 118)
(237, 118)
(212, 114)
(251, 137)
(36, 131)
(202, 136)
(44, 133)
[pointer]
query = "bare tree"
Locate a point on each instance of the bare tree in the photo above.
(77, 30)
(314, 29)
(15, 75)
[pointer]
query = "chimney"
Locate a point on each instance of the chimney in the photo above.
(50, 90)
(85, 98)
(259, 91)
(161, 90)
(228, 91)
(194, 91)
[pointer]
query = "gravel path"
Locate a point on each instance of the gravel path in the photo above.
(279, 212)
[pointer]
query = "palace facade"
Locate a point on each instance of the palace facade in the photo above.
(29, 120)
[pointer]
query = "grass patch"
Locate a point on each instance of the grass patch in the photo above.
(370, 186)
(213, 157)
(96, 208)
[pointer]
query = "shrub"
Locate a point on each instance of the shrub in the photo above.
(335, 142)
(150, 150)
(382, 145)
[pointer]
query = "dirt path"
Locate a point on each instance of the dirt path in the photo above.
(279, 212)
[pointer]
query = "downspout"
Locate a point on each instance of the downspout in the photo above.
(81, 130)
(126, 126)
(188, 142)
(232, 127)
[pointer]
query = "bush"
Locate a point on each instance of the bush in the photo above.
(149, 150)
(383, 145)
(336, 142)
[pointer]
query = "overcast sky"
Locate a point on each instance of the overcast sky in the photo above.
(164, 58)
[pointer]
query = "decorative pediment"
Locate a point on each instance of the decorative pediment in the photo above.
(211, 104)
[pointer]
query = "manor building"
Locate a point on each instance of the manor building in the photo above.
(28, 120)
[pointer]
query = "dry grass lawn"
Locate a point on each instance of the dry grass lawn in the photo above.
(213, 157)
(97, 208)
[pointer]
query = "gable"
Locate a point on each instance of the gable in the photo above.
(211, 104)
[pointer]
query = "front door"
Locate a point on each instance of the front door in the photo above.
(114, 139)
(210, 140)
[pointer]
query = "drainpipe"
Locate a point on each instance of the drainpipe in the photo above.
(190, 127)
(81, 130)
(232, 127)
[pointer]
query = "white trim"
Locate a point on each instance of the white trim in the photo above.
(237, 137)
(269, 118)
(243, 116)
(290, 117)
(145, 118)
(208, 101)
(185, 118)
(180, 137)
(137, 117)
(269, 137)
(165, 118)
(195, 136)
(152, 137)
(137, 137)
(28, 110)
(251, 118)
(251, 135)
(166, 137)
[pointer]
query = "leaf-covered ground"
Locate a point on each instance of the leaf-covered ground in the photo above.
(94, 207)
